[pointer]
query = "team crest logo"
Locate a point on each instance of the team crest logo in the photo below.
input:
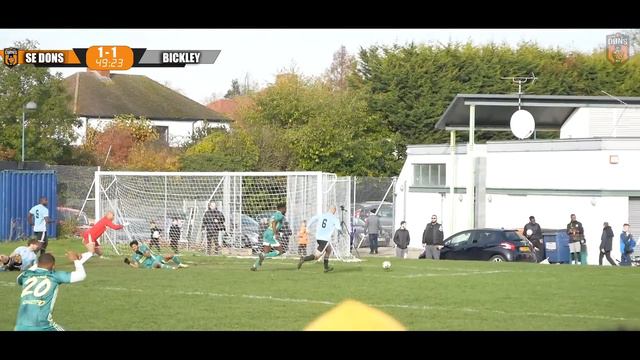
(617, 48)
(10, 57)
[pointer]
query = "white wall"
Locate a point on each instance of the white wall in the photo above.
(564, 170)
(602, 122)
(577, 125)
(417, 207)
(179, 131)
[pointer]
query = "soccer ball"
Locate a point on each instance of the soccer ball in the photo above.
(386, 265)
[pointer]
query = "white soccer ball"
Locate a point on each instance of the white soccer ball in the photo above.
(386, 265)
(529, 232)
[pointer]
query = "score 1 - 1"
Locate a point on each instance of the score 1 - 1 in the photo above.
(109, 57)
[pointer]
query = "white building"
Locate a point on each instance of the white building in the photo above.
(98, 96)
(592, 171)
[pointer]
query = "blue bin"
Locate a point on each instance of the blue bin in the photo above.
(556, 246)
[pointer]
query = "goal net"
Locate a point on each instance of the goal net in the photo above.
(177, 205)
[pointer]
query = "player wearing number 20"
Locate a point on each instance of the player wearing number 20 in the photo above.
(327, 224)
(40, 289)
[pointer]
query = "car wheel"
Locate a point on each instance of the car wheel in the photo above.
(497, 258)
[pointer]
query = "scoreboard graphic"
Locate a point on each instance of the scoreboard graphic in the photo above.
(108, 57)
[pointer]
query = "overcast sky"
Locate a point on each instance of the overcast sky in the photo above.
(263, 53)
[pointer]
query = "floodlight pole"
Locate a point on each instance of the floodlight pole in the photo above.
(27, 107)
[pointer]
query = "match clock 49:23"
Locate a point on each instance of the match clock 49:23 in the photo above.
(109, 57)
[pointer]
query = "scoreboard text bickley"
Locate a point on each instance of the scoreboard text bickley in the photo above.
(108, 57)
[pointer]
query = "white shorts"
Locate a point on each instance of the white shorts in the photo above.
(272, 244)
(574, 246)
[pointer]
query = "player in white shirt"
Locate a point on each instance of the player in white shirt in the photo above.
(327, 224)
(39, 218)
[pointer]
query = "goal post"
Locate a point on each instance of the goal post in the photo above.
(246, 200)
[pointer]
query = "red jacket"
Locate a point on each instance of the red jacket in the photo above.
(100, 227)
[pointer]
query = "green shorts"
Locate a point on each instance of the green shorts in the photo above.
(268, 239)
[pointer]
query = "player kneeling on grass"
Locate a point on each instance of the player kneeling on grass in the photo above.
(40, 289)
(90, 238)
(270, 245)
(143, 257)
(327, 223)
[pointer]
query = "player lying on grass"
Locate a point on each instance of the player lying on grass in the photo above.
(327, 223)
(91, 237)
(270, 245)
(143, 257)
(40, 289)
(22, 258)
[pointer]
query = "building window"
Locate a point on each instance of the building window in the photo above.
(429, 175)
(163, 132)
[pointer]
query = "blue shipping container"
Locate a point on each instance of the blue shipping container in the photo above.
(19, 192)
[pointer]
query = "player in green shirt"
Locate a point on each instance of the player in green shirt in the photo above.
(270, 245)
(143, 257)
(40, 289)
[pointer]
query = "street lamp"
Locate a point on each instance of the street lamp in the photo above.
(30, 106)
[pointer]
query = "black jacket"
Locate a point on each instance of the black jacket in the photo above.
(174, 233)
(213, 220)
(606, 239)
(402, 238)
(535, 229)
(575, 231)
(433, 235)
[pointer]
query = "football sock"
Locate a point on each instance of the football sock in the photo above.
(309, 257)
(326, 263)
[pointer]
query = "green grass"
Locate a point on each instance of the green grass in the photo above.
(220, 293)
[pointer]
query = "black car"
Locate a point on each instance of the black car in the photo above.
(488, 244)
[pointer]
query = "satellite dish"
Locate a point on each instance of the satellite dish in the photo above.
(522, 124)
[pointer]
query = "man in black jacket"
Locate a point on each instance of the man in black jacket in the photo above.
(402, 239)
(433, 239)
(213, 222)
(606, 243)
(533, 232)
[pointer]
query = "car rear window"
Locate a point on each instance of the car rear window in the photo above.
(513, 236)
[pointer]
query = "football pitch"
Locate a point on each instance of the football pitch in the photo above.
(220, 293)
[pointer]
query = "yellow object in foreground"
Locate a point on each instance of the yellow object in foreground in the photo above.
(354, 315)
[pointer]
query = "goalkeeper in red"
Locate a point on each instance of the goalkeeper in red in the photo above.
(90, 238)
(270, 245)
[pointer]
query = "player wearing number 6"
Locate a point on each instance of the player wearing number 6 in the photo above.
(327, 223)
(90, 238)
(40, 289)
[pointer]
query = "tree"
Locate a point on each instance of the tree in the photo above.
(200, 133)
(220, 151)
(114, 144)
(234, 91)
(342, 67)
(152, 157)
(48, 129)
(299, 123)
